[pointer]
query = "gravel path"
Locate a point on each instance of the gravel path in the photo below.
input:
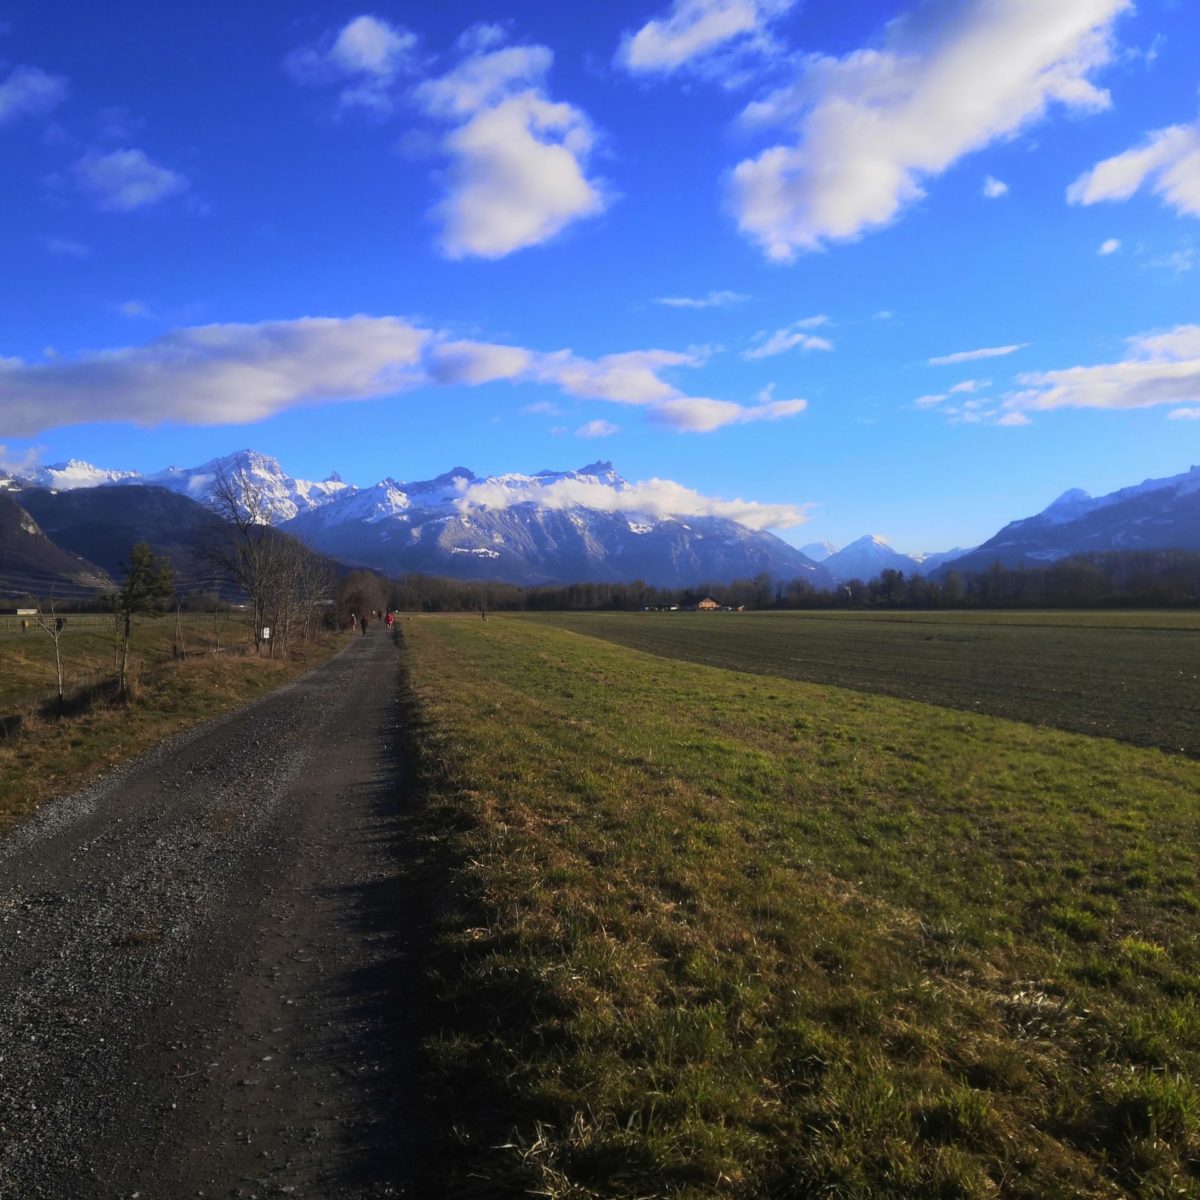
(203, 960)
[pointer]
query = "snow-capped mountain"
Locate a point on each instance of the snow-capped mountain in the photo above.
(279, 494)
(390, 499)
(282, 496)
(819, 551)
(560, 526)
(577, 526)
(866, 558)
(1157, 514)
(75, 473)
(928, 563)
(552, 526)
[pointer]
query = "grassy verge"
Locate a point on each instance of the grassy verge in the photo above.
(50, 755)
(91, 648)
(712, 934)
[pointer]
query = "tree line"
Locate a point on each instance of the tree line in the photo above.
(1150, 578)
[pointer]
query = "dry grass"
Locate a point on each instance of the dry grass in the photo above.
(49, 755)
(91, 650)
(712, 934)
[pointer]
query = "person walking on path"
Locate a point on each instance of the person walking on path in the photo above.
(364, 624)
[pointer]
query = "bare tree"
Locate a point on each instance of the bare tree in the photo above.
(240, 545)
(283, 579)
(53, 624)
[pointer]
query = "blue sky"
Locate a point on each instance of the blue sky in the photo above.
(894, 267)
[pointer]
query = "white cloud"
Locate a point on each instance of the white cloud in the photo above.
(1184, 414)
(628, 378)
(66, 247)
(30, 91)
(484, 79)
(1168, 161)
(711, 300)
(1180, 261)
(981, 412)
(702, 415)
(216, 374)
(1160, 368)
(235, 374)
(518, 161)
(955, 409)
(481, 36)
(597, 429)
(694, 29)
(869, 128)
(1109, 246)
(963, 356)
(366, 55)
(963, 405)
(651, 497)
(477, 362)
(517, 177)
(18, 462)
(994, 188)
(125, 180)
(545, 408)
(133, 308)
(789, 338)
(635, 377)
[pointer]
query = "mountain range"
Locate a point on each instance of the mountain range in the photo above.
(1157, 514)
(77, 521)
(553, 526)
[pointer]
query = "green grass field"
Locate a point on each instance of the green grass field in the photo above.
(711, 933)
(1134, 676)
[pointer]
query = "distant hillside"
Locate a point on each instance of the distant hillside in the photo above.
(1159, 514)
(104, 522)
(31, 563)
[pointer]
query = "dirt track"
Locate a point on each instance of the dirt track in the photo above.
(203, 960)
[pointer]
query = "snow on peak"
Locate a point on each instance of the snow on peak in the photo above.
(280, 495)
(385, 499)
(866, 558)
(75, 473)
